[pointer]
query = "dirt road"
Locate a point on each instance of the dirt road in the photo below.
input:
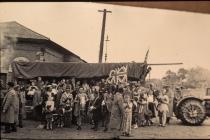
(174, 130)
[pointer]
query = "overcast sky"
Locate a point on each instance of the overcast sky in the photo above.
(171, 36)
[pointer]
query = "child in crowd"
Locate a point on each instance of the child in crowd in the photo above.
(49, 113)
(148, 117)
(127, 116)
(135, 112)
(149, 109)
(142, 107)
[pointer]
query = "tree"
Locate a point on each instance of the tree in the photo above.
(196, 77)
(171, 78)
(182, 73)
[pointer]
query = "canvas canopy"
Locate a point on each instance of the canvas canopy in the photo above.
(29, 70)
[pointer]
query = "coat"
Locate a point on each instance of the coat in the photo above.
(117, 112)
(22, 101)
(11, 107)
(97, 112)
(108, 101)
(65, 96)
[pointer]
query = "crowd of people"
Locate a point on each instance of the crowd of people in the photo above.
(67, 103)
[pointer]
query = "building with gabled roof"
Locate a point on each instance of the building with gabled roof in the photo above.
(19, 43)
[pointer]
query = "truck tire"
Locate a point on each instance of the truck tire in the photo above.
(192, 112)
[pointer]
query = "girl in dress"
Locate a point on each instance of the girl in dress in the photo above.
(49, 113)
(127, 116)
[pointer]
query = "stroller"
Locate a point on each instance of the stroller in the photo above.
(53, 117)
(67, 112)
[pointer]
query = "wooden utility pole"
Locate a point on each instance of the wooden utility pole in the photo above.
(102, 34)
(107, 39)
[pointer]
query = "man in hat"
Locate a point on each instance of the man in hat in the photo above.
(150, 99)
(21, 97)
(177, 96)
(97, 104)
(10, 109)
(108, 97)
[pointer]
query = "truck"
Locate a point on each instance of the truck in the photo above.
(193, 107)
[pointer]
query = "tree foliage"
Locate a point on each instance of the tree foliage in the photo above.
(189, 78)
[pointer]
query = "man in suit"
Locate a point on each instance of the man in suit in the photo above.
(10, 109)
(97, 110)
(108, 97)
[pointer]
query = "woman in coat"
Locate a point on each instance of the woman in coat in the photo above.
(10, 109)
(37, 105)
(162, 107)
(79, 108)
(66, 102)
(117, 113)
(170, 95)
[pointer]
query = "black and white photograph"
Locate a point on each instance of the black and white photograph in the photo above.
(105, 70)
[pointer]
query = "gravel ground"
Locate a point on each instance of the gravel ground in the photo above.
(175, 130)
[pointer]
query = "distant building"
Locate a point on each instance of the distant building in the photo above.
(19, 43)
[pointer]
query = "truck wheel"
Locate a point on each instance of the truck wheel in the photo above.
(192, 112)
